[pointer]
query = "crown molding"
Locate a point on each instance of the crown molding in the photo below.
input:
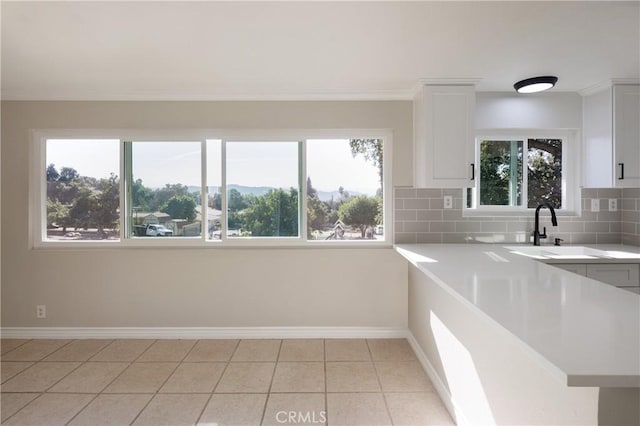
(606, 84)
(141, 95)
(444, 81)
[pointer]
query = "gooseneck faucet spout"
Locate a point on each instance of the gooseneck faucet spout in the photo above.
(537, 236)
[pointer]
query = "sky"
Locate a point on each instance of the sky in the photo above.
(329, 163)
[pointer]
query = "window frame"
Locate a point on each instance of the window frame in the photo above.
(38, 195)
(571, 199)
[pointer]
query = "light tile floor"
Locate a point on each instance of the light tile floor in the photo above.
(215, 382)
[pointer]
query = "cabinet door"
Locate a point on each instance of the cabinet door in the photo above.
(444, 123)
(576, 268)
(626, 135)
(620, 275)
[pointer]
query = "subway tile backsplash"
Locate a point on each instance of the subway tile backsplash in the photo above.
(630, 221)
(420, 217)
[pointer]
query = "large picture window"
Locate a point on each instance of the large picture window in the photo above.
(216, 191)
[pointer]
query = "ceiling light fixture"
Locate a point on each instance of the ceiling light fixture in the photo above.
(535, 84)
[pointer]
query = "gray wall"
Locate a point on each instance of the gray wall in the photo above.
(196, 287)
(537, 111)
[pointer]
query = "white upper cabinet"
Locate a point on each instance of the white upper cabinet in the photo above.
(626, 135)
(444, 134)
(611, 137)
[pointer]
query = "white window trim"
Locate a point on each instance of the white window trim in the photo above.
(38, 202)
(571, 160)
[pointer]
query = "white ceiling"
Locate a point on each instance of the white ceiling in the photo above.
(307, 50)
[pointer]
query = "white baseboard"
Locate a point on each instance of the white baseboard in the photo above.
(203, 332)
(457, 415)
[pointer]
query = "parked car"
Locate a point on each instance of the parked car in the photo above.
(154, 230)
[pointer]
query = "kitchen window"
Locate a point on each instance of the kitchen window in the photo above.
(214, 192)
(521, 171)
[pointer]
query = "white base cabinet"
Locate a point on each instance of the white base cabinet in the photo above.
(625, 276)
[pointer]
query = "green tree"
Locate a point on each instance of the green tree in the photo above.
(317, 211)
(544, 168)
(274, 214)
(235, 201)
(495, 172)
(359, 212)
(68, 174)
(371, 149)
(58, 215)
(81, 208)
(105, 205)
(215, 201)
(181, 207)
(162, 196)
(52, 173)
(141, 196)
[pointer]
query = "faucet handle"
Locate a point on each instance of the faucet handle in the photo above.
(544, 232)
(557, 241)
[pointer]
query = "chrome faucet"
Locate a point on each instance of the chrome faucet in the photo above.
(537, 236)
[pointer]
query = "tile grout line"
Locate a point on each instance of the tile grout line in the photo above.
(58, 381)
(326, 385)
(152, 393)
(114, 379)
(217, 382)
(165, 380)
(23, 407)
(101, 349)
(104, 348)
(11, 350)
(19, 372)
(275, 367)
(384, 399)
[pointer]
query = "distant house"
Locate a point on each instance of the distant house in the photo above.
(149, 218)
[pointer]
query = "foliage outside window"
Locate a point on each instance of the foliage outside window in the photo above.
(355, 210)
(519, 173)
(82, 190)
(215, 190)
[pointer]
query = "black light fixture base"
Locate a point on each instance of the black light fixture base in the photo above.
(535, 84)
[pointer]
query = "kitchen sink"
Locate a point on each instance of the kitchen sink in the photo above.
(570, 252)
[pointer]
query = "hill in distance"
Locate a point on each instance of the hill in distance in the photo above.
(262, 190)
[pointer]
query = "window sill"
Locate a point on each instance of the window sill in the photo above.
(208, 245)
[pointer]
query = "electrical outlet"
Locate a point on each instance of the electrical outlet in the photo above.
(448, 202)
(613, 204)
(41, 311)
(595, 205)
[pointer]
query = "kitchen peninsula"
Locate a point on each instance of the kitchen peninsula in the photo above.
(508, 339)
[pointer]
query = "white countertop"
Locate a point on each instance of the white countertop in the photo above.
(586, 332)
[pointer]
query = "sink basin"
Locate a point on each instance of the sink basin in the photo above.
(554, 252)
(569, 252)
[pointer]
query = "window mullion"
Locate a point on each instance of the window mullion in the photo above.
(525, 173)
(204, 193)
(223, 192)
(302, 179)
(126, 200)
(513, 173)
